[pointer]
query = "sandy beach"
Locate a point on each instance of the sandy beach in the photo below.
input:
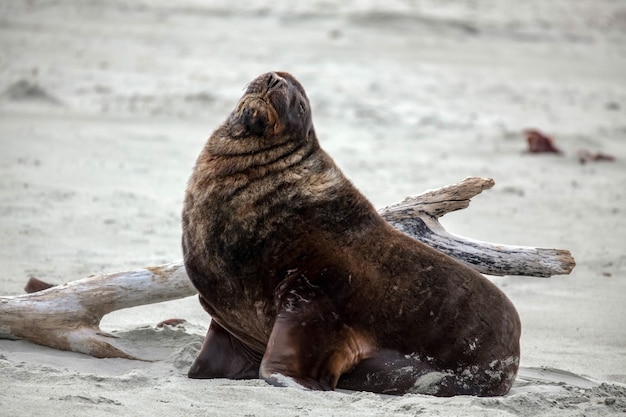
(104, 107)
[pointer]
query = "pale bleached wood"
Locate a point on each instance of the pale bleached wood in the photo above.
(418, 217)
(67, 317)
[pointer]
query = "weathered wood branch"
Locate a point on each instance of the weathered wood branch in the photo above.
(67, 317)
(418, 217)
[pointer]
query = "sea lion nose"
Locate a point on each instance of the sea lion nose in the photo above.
(273, 80)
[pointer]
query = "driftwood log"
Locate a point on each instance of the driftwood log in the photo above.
(67, 316)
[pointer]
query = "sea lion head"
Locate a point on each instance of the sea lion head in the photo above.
(273, 107)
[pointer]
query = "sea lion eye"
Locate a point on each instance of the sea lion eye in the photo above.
(302, 108)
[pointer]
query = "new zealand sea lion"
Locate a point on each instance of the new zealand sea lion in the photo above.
(306, 284)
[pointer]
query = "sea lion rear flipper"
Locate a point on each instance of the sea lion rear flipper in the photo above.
(391, 372)
(224, 356)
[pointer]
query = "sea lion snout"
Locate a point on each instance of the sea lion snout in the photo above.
(265, 83)
(274, 103)
(274, 80)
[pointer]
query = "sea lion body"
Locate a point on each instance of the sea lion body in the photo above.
(307, 284)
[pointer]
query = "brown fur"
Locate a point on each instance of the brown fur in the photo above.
(306, 283)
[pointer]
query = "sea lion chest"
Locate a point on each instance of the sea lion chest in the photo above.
(241, 235)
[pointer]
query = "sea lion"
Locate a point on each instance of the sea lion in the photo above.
(307, 285)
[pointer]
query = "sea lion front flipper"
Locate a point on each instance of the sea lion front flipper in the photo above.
(305, 353)
(309, 346)
(224, 356)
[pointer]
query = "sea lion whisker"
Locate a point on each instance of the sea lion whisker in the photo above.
(309, 282)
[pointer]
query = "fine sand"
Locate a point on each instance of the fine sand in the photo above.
(104, 107)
